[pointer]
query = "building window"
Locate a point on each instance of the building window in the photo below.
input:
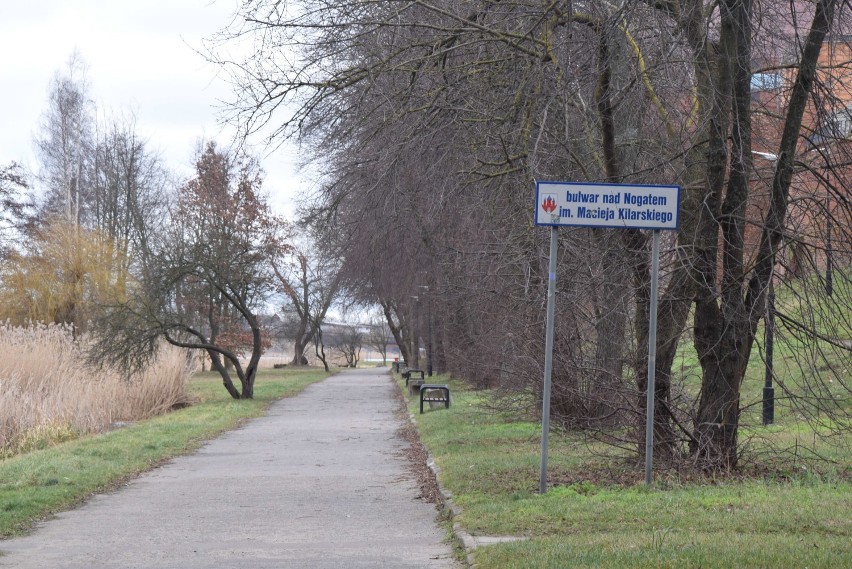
(765, 81)
(835, 126)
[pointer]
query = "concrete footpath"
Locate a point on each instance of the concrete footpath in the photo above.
(321, 482)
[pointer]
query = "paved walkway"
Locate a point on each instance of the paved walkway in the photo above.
(318, 483)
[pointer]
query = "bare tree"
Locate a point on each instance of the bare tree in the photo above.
(65, 144)
(129, 194)
(310, 282)
(379, 336)
(348, 343)
(207, 277)
(319, 346)
(15, 205)
(433, 114)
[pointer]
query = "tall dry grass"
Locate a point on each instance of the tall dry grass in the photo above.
(48, 394)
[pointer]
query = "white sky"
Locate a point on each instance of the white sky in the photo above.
(140, 58)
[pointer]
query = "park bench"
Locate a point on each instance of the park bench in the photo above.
(411, 375)
(433, 394)
(414, 378)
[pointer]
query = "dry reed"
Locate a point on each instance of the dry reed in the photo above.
(48, 394)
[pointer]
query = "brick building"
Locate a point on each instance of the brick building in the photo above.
(817, 234)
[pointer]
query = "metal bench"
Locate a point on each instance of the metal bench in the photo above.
(407, 374)
(434, 393)
(414, 378)
(414, 386)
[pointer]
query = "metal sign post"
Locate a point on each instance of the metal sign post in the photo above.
(604, 205)
(652, 359)
(548, 359)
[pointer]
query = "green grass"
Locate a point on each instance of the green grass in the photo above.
(599, 514)
(813, 396)
(36, 484)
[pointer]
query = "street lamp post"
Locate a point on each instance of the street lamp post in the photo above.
(768, 389)
(415, 341)
(429, 338)
(428, 330)
(829, 278)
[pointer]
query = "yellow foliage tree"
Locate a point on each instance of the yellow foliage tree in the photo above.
(66, 274)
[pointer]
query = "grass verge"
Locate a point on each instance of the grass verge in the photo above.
(42, 482)
(489, 462)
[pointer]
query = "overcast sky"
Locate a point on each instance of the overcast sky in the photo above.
(140, 58)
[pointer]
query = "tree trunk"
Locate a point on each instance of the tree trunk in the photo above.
(247, 379)
(665, 436)
(216, 363)
(725, 328)
(396, 330)
(319, 349)
(301, 339)
(610, 328)
(721, 355)
(248, 382)
(300, 345)
(440, 363)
